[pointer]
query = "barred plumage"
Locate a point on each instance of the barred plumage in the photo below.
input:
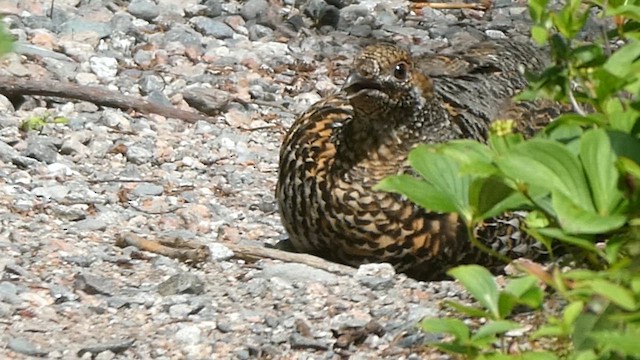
(345, 144)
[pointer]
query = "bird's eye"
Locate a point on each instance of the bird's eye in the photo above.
(401, 71)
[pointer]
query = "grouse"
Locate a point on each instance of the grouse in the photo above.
(341, 147)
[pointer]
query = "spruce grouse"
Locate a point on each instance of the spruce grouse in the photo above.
(345, 144)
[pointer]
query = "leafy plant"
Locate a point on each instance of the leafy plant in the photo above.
(5, 41)
(579, 181)
(36, 123)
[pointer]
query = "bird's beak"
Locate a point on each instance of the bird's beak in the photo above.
(356, 83)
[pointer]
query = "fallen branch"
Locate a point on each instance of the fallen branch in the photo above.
(11, 86)
(195, 252)
(254, 253)
(176, 248)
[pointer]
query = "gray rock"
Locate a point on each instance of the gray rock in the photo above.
(361, 30)
(24, 346)
(209, 101)
(297, 272)
(42, 148)
(149, 83)
(104, 67)
(9, 293)
(253, 9)
(210, 27)
(183, 283)
(7, 153)
(105, 355)
(55, 192)
(73, 146)
(116, 347)
(214, 8)
(6, 310)
(76, 26)
(298, 341)
(147, 189)
(158, 97)
(257, 32)
(376, 276)
(61, 294)
(189, 334)
(184, 35)
(495, 34)
(94, 284)
(138, 155)
(95, 223)
(144, 9)
(36, 51)
(220, 252)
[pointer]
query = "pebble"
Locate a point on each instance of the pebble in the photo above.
(24, 346)
(144, 9)
(183, 283)
(211, 27)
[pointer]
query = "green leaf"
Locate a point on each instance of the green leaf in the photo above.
(598, 161)
(539, 34)
(480, 284)
(444, 174)
(418, 191)
(6, 45)
(548, 330)
(468, 310)
(621, 117)
(549, 165)
(621, 62)
(629, 166)
(576, 220)
(615, 293)
(492, 197)
(519, 286)
(454, 327)
(573, 240)
(626, 343)
(495, 328)
(571, 312)
(625, 145)
(472, 157)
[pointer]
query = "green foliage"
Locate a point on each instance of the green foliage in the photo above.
(579, 179)
(5, 41)
(36, 123)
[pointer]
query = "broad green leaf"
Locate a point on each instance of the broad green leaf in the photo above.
(538, 9)
(495, 328)
(626, 343)
(443, 173)
(492, 197)
(6, 45)
(549, 165)
(625, 145)
(539, 34)
(621, 117)
(519, 286)
(454, 327)
(573, 240)
(548, 330)
(506, 302)
(632, 11)
(456, 349)
(418, 191)
(572, 311)
(468, 310)
(502, 144)
(620, 63)
(472, 157)
(615, 293)
(598, 161)
(577, 220)
(480, 284)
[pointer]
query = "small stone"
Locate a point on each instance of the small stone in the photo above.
(189, 335)
(7, 153)
(138, 155)
(183, 283)
(210, 27)
(220, 252)
(146, 189)
(94, 223)
(376, 276)
(495, 34)
(105, 68)
(257, 32)
(56, 192)
(254, 8)
(298, 341)
(144, 9)
(42, 148)
(116, 347)
(93, 284)
(214, 8)
(24, 346)
(297, 272)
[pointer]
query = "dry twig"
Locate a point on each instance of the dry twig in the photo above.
(175, 248)
(482, 5)
(11, 86)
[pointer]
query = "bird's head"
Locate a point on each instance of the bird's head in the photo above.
(383, 76)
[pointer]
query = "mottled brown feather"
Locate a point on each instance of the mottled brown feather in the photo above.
(343, 145)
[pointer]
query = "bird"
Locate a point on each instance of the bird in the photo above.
(342, 146)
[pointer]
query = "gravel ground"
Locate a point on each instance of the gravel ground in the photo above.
(66, 191)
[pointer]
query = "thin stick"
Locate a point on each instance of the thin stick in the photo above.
(450, 6)
(11, 86)
(182, 250)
